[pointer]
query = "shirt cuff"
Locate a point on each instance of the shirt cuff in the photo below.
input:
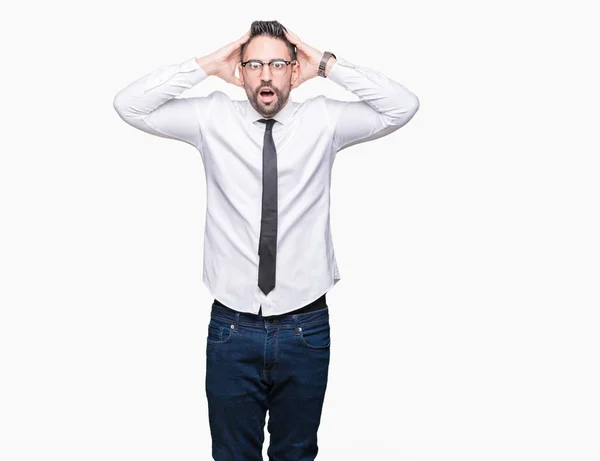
(339, 71)
(192, 70)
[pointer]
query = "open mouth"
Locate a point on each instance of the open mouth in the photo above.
(267, 95)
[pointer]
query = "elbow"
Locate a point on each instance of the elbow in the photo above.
(416, 104)
(405, 111)
(414, 107)
(123, 105)
(119, 105)
(411, 106)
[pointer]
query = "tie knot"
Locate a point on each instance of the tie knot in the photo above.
(268, 121)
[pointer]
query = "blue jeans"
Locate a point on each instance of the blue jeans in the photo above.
(254, 364)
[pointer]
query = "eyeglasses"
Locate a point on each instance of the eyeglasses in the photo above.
(277, 66)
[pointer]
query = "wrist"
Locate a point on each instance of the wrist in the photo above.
(207, 64)
(330, 63)
(328, 59)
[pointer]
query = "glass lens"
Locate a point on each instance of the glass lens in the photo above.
(254, 66)
(277, 67)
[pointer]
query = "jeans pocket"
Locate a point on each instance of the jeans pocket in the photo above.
(219, 331)
(316, 336)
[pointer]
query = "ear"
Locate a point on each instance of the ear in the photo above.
(240, 72)
(295, 75)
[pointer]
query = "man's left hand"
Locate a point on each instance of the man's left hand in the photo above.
(308, 58)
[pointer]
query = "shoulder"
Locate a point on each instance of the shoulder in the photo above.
(327, 106)
(215, 101)
(224, 101)
(325, 102)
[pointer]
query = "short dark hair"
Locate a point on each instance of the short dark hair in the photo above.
(271, 29)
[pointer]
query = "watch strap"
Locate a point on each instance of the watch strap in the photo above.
(323, 63)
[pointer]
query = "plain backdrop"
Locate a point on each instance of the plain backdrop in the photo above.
(465, 325)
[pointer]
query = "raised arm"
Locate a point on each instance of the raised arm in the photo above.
(150, 103)
(384, 105)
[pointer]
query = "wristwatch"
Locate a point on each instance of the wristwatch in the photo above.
(323, 63)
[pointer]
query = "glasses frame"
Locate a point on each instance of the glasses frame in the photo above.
(262, 64)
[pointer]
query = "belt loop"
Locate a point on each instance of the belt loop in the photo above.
(295, 317)
(236, 322)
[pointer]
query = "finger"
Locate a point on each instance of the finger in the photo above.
(291, 38)
(294, 36)
(244, 38)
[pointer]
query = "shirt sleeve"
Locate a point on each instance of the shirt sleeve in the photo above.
(150, 103)
(384, 106)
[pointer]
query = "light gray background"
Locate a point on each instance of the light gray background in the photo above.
(465, 326)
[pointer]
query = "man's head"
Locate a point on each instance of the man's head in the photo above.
(267, 43)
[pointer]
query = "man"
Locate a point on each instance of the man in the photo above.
(268, 251)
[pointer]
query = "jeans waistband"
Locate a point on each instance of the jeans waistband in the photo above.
(315, 311)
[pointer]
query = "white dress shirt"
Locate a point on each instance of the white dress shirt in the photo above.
(228, 137)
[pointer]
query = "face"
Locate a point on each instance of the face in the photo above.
(265, 49)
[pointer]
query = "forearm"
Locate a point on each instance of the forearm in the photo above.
(332, 60)
(383, 94)
(146, 94)
(208, 64)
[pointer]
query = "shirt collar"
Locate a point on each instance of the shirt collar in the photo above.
(283, 116)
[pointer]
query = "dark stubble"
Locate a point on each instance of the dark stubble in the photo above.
(274, 106)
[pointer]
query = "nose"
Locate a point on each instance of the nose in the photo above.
(266, 68)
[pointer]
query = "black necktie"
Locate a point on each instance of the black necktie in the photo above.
(267, 247)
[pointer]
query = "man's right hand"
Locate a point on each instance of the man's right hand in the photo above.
(224, 61)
